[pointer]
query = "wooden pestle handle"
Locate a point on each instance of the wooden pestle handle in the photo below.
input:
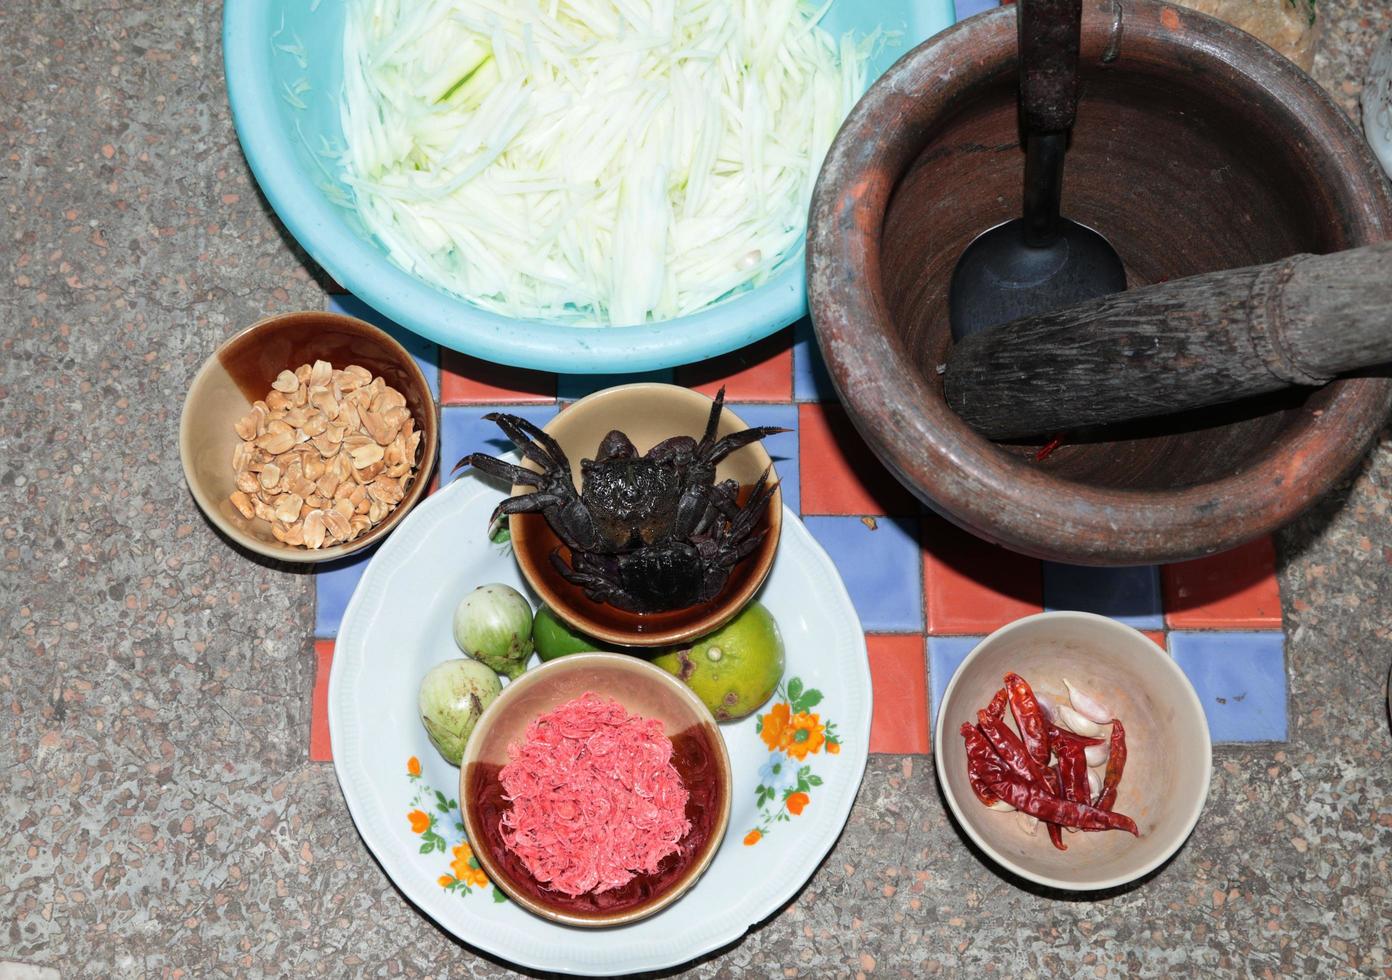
(1049, 33)
(1205, 340)
(1049, 36)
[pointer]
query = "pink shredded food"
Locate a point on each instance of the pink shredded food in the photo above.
(595, 797)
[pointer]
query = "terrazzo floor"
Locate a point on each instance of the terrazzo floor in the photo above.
(163, 814)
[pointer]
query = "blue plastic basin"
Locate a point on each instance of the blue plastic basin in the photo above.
(280, 141)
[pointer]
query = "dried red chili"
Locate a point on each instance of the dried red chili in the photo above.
(1027, 798)
(1057, 735)
(1010, 767)
(1056, 836)
(1072, 767)
(1012, 752)
(1048, 448)
(1069, 747)
(1017, 762)
(983, 765)
(1024, 706)
(1116, 762)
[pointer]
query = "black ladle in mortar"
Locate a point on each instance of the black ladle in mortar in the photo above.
(1042, 261)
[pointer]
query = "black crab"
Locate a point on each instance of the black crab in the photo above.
(647, 532)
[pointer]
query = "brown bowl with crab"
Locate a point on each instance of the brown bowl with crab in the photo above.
(652, 518)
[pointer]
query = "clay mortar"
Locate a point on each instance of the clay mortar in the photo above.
(1196, 148)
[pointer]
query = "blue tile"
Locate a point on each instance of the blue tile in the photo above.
(1129, 595)
(570, 387)
(945, 655)
(783, 448)
(426, 353)
(463, 430)
(1240, 679)
(334, 583)
(881, 568)
(966, 8)
(811, 382)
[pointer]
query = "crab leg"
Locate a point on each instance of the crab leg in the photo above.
(748, 547)
(713, 421)
(754, 508)
(742, 528)
(555, 497)
(700, 505)
(536, 444)
(599, 582)
(738, 440)
(528, 503)
(725, 497)
(740, 540)
(501, 469)
(711, 452)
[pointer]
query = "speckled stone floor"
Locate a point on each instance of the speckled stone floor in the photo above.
(160, 816)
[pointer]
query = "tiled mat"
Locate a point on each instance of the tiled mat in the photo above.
(926, 591)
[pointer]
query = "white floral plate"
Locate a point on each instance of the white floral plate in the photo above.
(796, 765)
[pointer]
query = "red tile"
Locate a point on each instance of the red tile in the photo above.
(761, 372)
(900, 682)
(1158, 638)
(839, 474)
(1233, 590)
(974, 587)
(320, 748)
(467, 380)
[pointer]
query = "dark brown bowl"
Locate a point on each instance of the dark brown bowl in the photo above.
(647, 413)
(241, 371)
(1197, 148)
(699, 755)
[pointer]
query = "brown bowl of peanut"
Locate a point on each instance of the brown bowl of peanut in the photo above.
(308, 436)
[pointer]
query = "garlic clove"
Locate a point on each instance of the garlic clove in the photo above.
(1094, 784)
(1029, 824)
(1097, 755)
(1075, 722)
(1002, 806)
(1088, 706)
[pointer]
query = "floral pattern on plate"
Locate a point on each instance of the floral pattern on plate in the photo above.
(792, 731)
(431, 812)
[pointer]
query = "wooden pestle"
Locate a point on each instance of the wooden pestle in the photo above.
(1204, 340)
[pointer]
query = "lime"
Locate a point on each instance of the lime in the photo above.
(735, 669)
(554, 638)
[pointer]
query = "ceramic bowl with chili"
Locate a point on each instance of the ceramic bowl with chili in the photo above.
(1163, 744)
(523, 820)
